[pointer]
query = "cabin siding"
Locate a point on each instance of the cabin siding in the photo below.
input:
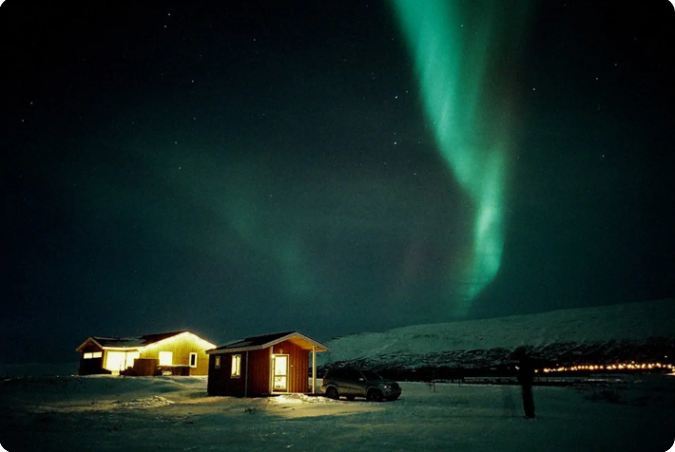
(221, 381)
(298, 362)
(91, 366)
(256, 368)
(259, 372)
(259, 356)
(181, 347)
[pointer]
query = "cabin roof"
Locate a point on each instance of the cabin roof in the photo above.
(133, 342)
(267, 340)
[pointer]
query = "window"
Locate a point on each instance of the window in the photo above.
(115, 361)
(236, 366)
(216, 362)
(165, 358)
(193, 360)
(90, 355)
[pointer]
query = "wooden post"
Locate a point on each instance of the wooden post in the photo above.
(313, 369)
(270, 377)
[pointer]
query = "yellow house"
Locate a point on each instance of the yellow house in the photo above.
(172, 353)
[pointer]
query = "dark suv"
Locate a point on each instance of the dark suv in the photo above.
(349, 382)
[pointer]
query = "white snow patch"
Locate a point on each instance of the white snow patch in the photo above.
(299, 398)
(145, 402)
(175, 413)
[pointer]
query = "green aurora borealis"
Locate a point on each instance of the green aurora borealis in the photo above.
(236, 168)
(453, 45)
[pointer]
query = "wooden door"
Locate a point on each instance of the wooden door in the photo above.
(280, 373)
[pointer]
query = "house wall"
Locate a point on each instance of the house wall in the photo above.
(254, 379)
(257, 365)
(181, 347)
(93, 365)
(298, 361)
(221, 381)
(259, 372)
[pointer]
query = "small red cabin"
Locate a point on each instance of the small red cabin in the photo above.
(263, 365)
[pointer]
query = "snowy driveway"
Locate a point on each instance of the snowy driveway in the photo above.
(106, 413)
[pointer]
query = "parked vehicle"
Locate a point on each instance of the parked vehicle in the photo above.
(351, 383)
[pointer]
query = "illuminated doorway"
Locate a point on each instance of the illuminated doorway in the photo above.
(280, 376)
(117, 361)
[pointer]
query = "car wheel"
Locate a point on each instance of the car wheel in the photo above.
(374, 395)
(350, 397)
(332, 393)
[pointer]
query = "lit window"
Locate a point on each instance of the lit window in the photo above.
(165, 358)
(115, 361)
(97, 354)
(216, 362)
(193, 360)
(236, 365)
(88, 355)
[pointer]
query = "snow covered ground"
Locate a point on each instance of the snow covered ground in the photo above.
(174, 413)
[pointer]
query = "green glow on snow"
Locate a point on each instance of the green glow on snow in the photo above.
(452, 44)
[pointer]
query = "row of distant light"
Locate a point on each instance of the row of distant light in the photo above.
(617, 366)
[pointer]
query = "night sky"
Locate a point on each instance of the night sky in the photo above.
(333, 167)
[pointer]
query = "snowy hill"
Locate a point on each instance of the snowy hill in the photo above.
(617, 332)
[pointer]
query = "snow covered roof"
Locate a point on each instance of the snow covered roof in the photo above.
(268, 340)
(130, 342)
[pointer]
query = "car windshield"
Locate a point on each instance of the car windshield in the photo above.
(370, 375)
